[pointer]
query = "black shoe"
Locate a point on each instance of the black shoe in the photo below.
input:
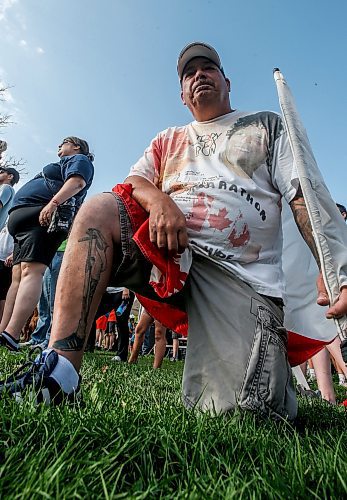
(34, 379)
(6, 340)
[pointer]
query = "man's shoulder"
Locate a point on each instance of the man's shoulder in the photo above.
(6, 189)
(269, 120)
(172, 131)
(67, 160)
(261, 115)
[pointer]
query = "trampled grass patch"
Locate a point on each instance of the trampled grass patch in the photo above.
(132, 438)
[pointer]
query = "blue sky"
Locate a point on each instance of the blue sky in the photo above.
(106, 71)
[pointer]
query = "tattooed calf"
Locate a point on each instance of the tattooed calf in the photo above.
(96, 264)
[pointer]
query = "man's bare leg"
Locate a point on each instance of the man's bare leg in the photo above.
(335, 350)
(175, 347)
(84, 275)
(322, 366)
(145, 322)
(160, 344)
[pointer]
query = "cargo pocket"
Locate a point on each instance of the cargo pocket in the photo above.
(267, 387)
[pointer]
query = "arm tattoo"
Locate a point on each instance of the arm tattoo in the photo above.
(302, 220)
(96, 264)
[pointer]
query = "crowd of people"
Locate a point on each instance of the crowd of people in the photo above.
(194, 231)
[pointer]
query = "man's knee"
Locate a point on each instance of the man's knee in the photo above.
(32, 269)
(100, 212)
(140, 334)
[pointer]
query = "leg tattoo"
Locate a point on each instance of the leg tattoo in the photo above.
(96, 264)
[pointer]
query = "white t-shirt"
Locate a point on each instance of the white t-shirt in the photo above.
(6, 243)
(228, 175)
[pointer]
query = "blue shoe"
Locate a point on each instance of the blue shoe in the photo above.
(33, 379)
(7, 341)
(42, 346)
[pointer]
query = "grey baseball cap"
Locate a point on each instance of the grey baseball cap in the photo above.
(197, 49)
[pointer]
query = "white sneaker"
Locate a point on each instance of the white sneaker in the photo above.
(116, 358)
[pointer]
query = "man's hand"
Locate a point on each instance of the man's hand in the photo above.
(125, 294)
(167, 226)
(337, 310)
(9, 261)
(46, 213)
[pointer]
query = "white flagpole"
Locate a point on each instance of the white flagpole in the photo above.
(306, 163)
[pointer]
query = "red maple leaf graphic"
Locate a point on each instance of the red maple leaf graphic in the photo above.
(198, 214)
(219, 221)
(239, 238)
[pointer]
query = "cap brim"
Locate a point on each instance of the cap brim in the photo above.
(196, 50)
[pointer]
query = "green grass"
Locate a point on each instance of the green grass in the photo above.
(133, 439)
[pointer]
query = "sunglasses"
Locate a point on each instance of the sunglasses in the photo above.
(67, 142)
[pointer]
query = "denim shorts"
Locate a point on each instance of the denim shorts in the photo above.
(135, 269)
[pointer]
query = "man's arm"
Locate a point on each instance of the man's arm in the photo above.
(5, 195)
(304, 225)
(302, 220)
(167, 224)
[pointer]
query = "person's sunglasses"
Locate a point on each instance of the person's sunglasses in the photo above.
(67, 142)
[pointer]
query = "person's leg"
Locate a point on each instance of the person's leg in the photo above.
(2, 305)
(11, 297)
(111, 341)
(28, 294)
(175, 346)
(5, 283)
(148, 343)
(107, 341)
(123, 330)
(84, 275)
(144, 323)
(322, 367)
(160, 344)
(335, 351)
(54, 273)
(102, 340)
(98, 338)
(44, 321)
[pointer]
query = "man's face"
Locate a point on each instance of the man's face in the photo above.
(5, 177)
(203, 84)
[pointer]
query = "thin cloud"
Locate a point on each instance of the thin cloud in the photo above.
(40, 50)
(23, 43)
(4, 6)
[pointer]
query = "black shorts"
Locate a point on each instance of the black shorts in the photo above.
(32, 243)
(5, 279)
